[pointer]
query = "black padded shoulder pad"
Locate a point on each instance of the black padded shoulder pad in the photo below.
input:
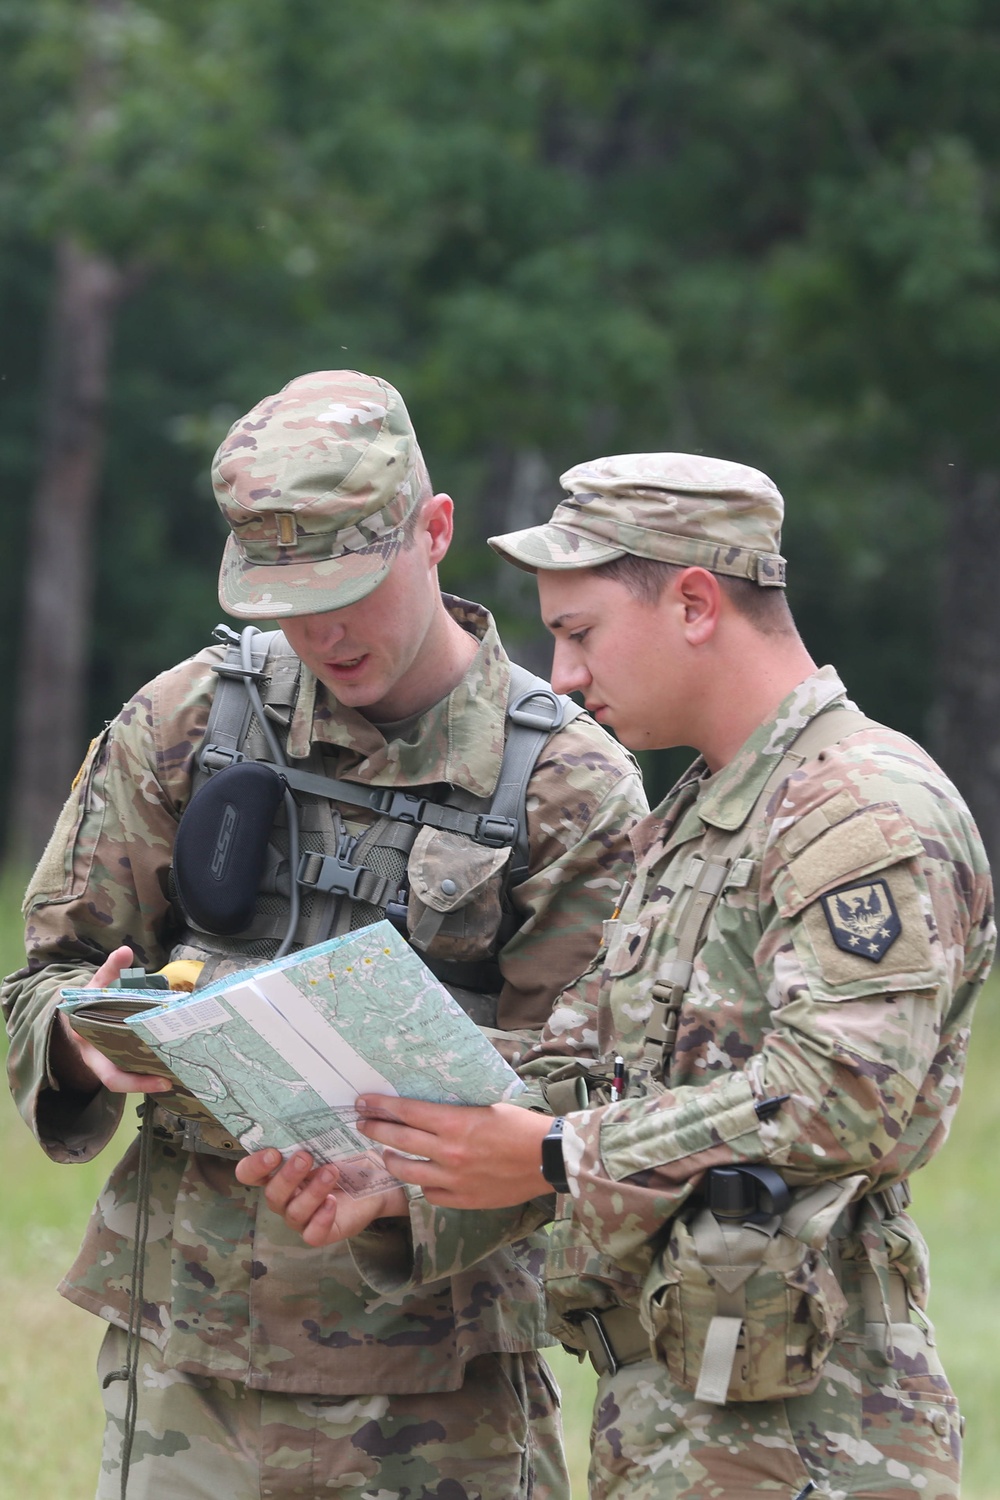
(221, 846)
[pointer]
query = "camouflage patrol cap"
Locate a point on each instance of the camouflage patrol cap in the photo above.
(672, 507)
(315, 484)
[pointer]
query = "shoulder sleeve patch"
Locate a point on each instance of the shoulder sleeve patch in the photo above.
(863, 919)
(56, 876)
(867, 937)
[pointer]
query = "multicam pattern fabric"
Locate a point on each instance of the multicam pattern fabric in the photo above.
(870, 1050)
(314, 484)
(671, 507)
(230, 1291)
(492, 1440)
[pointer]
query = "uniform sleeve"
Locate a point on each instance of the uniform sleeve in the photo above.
(102, 882)
(876, 934)
(400, 1255)
(583, 797)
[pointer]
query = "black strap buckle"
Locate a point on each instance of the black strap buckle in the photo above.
(333, 874)
(495, 832)
(217, 758)
(403, 806)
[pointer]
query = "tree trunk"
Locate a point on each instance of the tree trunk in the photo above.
(521, 490)
(967, 705)
(55, 622)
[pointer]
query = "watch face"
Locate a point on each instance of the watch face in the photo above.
(553, 1166)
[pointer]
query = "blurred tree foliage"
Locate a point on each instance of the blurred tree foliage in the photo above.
(764, 229)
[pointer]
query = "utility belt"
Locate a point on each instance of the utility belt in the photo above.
(202, 1136)
(737, 1320)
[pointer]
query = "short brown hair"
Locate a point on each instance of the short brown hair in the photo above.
(646, 578)
(409, 526)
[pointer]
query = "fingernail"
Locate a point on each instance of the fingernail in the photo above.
(301, 1162)
(327, 1178)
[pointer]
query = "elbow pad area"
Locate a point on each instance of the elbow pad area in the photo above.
(221, 846)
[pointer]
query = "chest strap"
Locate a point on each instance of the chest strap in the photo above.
(411, 806)
(708, 878)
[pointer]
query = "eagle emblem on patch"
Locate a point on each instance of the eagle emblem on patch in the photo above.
(863, 919)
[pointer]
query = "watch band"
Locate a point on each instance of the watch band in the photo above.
(553, 1166)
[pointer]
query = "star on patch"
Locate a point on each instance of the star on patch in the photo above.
(863, 919)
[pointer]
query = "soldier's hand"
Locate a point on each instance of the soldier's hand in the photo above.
(305, 1196)
(474, 1156)
(79, 1065)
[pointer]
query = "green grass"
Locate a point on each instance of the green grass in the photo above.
(50, 1420)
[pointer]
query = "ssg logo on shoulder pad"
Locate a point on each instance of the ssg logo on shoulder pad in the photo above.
(863, 919)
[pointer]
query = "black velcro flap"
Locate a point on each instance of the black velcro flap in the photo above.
(221, 846)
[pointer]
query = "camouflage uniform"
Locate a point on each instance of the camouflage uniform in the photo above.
(870, 1050)
(840, 968)
(259, 1349)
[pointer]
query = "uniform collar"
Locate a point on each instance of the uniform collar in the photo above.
(459, 740)
(726, 799)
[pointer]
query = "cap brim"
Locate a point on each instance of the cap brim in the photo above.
(256, 591)
(552, 547)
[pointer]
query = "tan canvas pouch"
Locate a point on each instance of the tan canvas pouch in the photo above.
(744, 1312)
(455, 895)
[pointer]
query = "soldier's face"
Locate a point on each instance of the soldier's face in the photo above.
(629, 659)
(392, 654)
(370, 654)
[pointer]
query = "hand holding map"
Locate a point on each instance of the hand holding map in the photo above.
(278, 1055)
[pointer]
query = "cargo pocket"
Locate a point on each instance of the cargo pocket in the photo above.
(626, 945)
(455, 895)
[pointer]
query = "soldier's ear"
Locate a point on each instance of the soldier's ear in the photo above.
(437, 522)
(698, 593)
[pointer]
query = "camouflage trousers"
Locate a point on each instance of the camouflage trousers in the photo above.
(497, 1438)
(870, 1431)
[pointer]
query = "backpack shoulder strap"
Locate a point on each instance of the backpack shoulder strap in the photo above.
(231, 711)
(827, 729)
(534, 712)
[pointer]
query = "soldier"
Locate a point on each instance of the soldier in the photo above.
(264, 1369)
(787, 989)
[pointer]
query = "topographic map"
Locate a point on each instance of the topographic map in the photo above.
(279, 1054)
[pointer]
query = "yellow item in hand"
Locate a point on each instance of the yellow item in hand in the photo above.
(183, 973)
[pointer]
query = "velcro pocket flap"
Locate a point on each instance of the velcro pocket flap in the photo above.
(809, 827)
(626, 946)
(447, 869)
(868, 841)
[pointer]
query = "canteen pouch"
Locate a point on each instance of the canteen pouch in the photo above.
(455, 901)
(741, 1311)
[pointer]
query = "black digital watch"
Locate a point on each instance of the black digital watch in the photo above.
(553, 1166)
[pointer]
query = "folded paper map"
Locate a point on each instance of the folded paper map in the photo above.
(278, 1054)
